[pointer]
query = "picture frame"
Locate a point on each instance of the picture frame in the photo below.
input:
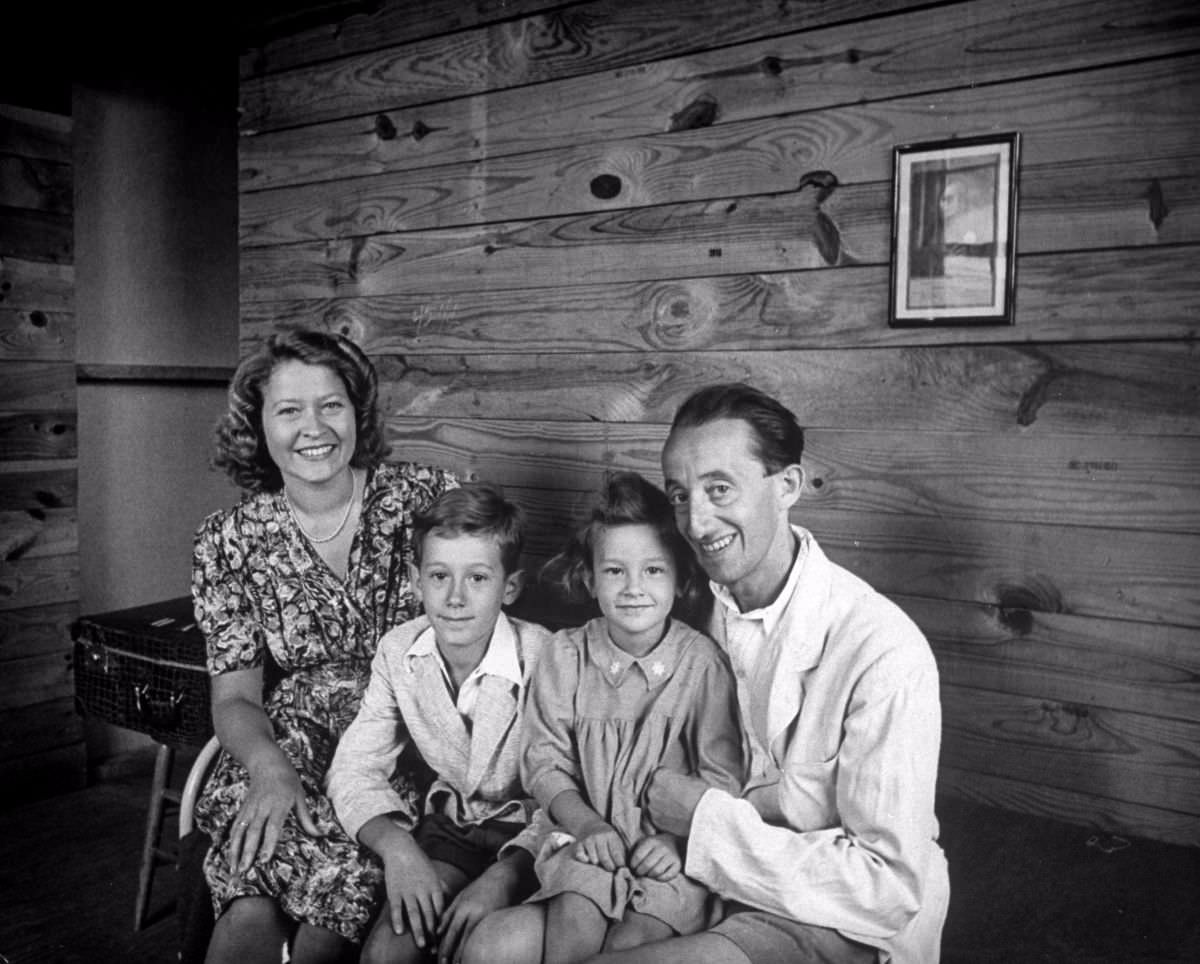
(954, 219)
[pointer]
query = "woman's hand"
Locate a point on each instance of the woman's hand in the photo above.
(274, 792)
(275, 789)
(600, 844)
(659, 857)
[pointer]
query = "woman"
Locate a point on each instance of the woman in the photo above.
(312, 569)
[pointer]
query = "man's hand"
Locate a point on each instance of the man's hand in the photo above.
(601, 844)
(659, 857)
(671, 799)
(415, 892)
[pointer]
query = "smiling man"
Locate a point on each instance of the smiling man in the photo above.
(830, 851)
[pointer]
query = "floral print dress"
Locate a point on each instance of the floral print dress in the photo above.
(259, 586)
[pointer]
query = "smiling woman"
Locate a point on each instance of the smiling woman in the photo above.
(307, 572)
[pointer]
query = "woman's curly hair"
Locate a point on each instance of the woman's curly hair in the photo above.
(629, 499)
(240, 448)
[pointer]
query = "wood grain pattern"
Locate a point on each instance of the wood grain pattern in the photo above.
(37, 679)
(572, 41)
(45, 581)
(1077, 660)
(36, 235)
(30, 386)
(1131, 575)
(1124, 575)
(285, 42)
(1109, 194)
(36, 184)
(34, 334)
(1145, 389)
(766, 233)
(35, 133)
(1078, 296)
(949, 52)
(30, 284)
(41, 746)
(546, 251)
(1099, 812)
(36, 631)
(36, 533)
(37, 435)
(1124, 482)
(1107, 753)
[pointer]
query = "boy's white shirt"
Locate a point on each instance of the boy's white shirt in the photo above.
(500, 659)
(406, 700)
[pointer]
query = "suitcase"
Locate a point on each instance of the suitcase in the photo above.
(144, 668)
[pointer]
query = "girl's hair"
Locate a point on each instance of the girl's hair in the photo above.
(474, 509)
(240, 449)
(628, 499)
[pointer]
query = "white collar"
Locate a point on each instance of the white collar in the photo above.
(500, 658)
(771, 613)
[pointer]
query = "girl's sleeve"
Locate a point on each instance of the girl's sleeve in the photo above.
(549, 764)
(225, 606)
(716, 733)
(358, 784)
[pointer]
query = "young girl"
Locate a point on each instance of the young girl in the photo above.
(609, 703)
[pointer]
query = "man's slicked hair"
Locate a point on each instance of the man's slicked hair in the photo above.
(779, 439)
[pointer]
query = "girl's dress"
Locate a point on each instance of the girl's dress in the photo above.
(259, 586)
(601, 722)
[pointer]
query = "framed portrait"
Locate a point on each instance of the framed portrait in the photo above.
(954, 219)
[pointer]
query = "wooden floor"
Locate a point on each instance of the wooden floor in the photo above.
(1024, 890)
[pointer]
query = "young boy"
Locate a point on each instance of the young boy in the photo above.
(450, 682)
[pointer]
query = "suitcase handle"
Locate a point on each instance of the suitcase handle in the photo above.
(159, 712)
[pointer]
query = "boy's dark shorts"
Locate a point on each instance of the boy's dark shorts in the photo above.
(471, 848)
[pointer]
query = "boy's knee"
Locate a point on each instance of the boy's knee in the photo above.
(492, 944)
(384, 946)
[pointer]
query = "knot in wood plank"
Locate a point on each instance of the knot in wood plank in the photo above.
(701, 112)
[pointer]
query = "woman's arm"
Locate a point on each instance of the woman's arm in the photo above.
(275, 790)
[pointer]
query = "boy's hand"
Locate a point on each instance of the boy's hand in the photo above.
(658, 857)
(495, 888)
(415, 892)
(601, 844)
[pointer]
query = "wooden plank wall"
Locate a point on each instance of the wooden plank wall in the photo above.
(41, 737)
(549, 223)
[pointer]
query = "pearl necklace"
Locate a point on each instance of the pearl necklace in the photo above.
(341, 525)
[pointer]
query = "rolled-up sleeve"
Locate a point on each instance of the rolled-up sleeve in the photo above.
(548, 762)
(359, 777)
(863, 871)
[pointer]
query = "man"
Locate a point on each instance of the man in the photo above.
(830, 853)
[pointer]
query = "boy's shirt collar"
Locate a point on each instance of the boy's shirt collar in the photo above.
(500, 660)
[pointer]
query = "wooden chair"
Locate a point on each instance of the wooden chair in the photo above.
(196, 777)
